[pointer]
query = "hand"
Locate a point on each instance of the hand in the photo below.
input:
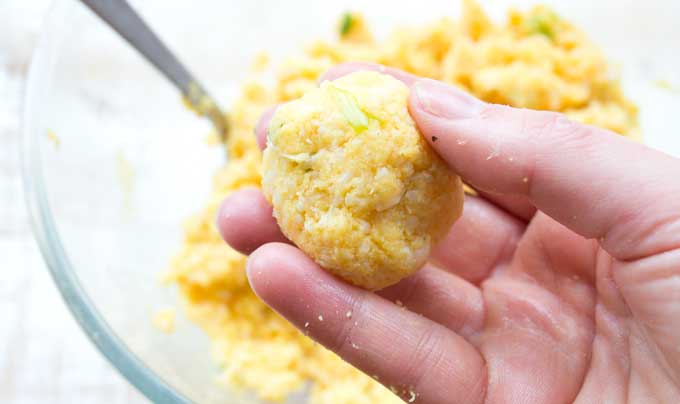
(560, 283)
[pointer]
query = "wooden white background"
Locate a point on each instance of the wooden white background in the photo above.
(44, 357)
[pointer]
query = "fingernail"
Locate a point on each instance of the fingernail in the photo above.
(444, 101)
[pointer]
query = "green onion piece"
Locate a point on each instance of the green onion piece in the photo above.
(350, 108)
(346, 23)
(543, 24)
(269, 140)
(298, 158)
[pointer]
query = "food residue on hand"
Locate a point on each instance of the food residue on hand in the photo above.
(412, 396)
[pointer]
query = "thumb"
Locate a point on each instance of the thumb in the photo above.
(593, 181)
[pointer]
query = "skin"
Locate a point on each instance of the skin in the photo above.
(560, 283)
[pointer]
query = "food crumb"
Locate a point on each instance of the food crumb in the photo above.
(164, 320)
(355, 346)
(349, 314)
(52, 137)
(306, 324)
(434, 139)
(126, 175)
(260, 62)
(320, 317)
(412, 398)
(667, 85)
(213, 139)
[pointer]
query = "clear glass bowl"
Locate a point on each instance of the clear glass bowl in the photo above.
(108, 201)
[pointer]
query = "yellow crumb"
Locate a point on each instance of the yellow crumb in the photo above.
(164, 320)
(52, 137)
(126, 177)
(260, 62)
(667, 85)
(213, 139)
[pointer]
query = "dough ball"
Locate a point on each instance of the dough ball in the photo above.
(354, 184)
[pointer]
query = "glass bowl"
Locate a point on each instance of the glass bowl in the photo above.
(113, 162)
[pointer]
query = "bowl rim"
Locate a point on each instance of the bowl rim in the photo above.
(44, 229)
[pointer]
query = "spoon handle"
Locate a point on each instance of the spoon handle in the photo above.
(128, 24)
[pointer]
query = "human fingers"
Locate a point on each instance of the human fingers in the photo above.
(517, 205)
(596, 183)
(482, 239)
(417, 358)
(442, 297)
(344, 69)
(245, 221)
(262, 125)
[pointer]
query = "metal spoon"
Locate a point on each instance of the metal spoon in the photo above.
(128, 24)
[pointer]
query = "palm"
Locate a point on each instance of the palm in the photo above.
(556, 329)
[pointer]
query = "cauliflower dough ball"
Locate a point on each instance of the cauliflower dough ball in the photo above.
(354, 184)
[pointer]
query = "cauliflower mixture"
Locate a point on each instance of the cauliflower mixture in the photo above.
(535, 59)
(354, 184)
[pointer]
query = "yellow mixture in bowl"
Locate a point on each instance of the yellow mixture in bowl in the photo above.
(534, 60)
(354, 184)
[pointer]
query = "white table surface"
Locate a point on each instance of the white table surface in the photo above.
(44, 357)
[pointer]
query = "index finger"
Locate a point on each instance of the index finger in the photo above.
(593, 181)
(344, 69)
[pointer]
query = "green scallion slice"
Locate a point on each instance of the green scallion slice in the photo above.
(350, 108)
